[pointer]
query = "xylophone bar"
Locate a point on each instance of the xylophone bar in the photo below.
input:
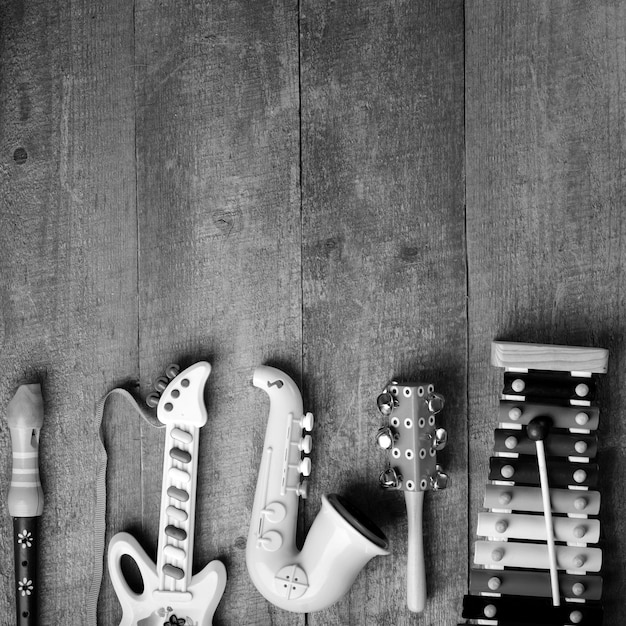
(534, 583)
(524, 470)
(576, 417)
(546, 357)
(535, 555)
(549, 385)
(533, 528)
(517, 498)
(518, 611)
(558, 444)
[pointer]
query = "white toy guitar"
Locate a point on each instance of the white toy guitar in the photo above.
(171, 595)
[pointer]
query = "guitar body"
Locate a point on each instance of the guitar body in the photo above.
(171, 596)
(154, 608)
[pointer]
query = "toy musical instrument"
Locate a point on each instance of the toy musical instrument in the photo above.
(341, 539)
(412, 440)
(25, 502)
(171, 595)
(539, 562)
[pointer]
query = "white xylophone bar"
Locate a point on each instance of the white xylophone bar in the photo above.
(517, 498)
(535, 555)
(533, 528)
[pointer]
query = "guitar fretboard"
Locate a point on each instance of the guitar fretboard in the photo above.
(178, 498)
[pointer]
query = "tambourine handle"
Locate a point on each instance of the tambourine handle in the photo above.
(25, 549)
(416, 570)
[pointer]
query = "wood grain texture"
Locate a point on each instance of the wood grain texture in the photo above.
(67, 260)
(285, 183)
(219, 237)
(383, 271)
(545, 132)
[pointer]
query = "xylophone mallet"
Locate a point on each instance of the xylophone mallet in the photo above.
(538, 429)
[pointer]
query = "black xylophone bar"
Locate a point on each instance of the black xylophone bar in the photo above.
(520, 611)
(523, 471)
(549, 385)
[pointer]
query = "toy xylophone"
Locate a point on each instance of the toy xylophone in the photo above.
(538, 557)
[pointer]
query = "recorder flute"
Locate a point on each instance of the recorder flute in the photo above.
(25, 502)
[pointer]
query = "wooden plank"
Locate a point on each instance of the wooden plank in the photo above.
(545, 193)
(383, 267)
(68, 261)
(219, 229)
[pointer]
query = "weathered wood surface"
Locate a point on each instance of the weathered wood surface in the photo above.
(68, 262)
(383, 271)
(545, 137)
(348, 191)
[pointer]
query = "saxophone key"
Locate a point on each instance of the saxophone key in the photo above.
(305, 421)
(271, 541)
(274, 512)
(301, 489)
(303, 466)
(305, 444)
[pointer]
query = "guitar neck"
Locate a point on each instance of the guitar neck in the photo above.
(178, 503)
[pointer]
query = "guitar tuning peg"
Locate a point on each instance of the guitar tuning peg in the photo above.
(153, 400)
(390, 479)
(435, 402)
(172, 370)
(385, 438)
(386, 403)
(440, 480)
(161, 383)
(440, 439)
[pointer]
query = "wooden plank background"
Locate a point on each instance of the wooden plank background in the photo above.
(348, 191)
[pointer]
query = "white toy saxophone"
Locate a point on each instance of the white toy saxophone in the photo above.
(341, 540)
(171, 595)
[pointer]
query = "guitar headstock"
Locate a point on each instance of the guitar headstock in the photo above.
(179, 396)
(411, 437)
